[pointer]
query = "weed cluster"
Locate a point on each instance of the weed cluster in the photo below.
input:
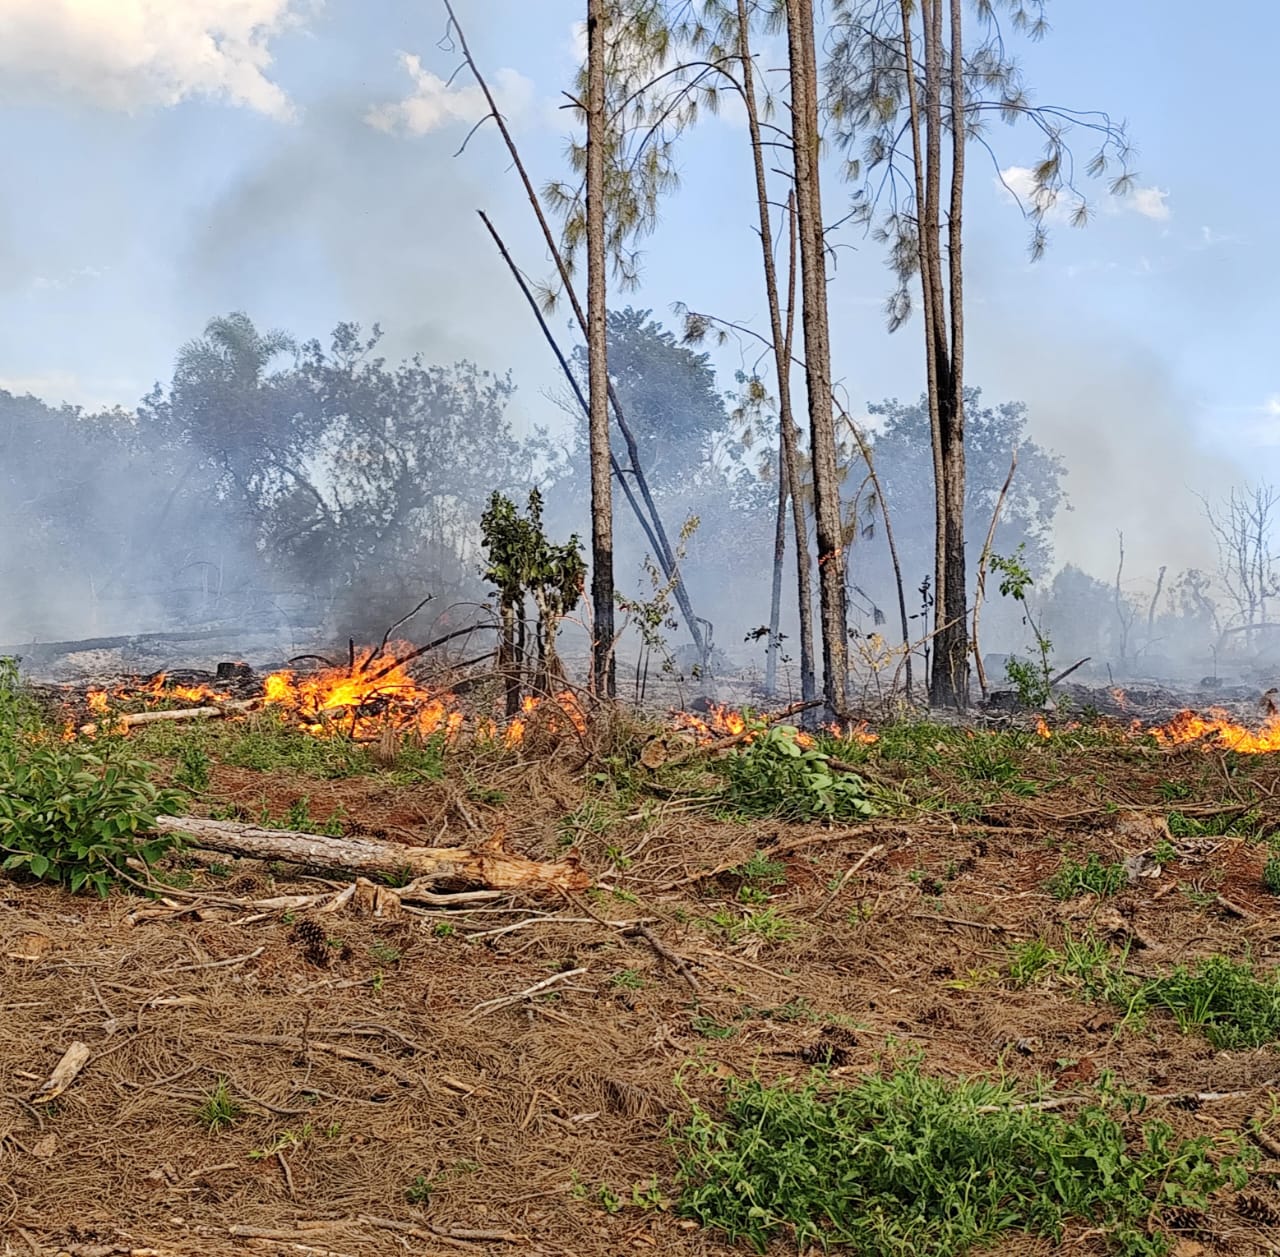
(1092, 877)
(1224, 999)
(907, 1164)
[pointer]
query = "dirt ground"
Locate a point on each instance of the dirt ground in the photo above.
(384, 1109)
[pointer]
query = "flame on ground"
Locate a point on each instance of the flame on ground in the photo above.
(1042, 729)
(1219, 732)
(363, 700)
(723, 722)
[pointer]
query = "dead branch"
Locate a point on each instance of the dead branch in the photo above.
(233, 707)
(505, 1001)
(489, 867)
(981, 588)
(677, 962)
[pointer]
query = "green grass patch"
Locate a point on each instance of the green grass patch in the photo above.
(1226, 1000)
(924, 1167)
(1092, 877)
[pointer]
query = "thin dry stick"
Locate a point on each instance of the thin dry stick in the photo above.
(981, 589)
(865, 858)
(505, 1001)
(677, 962)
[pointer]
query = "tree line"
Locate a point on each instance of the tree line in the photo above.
(905, 88)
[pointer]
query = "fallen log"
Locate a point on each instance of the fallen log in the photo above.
(490, 867)
(233, 707)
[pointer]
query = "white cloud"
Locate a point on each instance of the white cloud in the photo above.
(434, 103)
(1020, 182)
(136, 54)
(1150, 202)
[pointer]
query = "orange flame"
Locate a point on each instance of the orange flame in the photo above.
(1042, 729)
(364, 699)
(1219, 732)
(724, 722)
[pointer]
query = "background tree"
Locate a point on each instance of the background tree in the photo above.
(1244, 527)
(914, 120)
(904, 464)
(805, 142)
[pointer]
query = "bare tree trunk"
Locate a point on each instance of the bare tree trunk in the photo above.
(653, 526)
(775, 589)
(928, 293)
(788, 471)
(817, 342)
(1151, 610)
(1123, 619)
(603, 668)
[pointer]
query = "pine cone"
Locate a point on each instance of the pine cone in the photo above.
(1257, 1209)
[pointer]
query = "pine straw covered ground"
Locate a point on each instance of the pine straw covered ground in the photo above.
(380, 1108)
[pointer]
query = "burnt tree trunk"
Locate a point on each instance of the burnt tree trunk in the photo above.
(953, 646)
(603, 667)
(803, 67)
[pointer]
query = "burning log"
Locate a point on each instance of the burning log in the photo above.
(235, 707)
(490, 867)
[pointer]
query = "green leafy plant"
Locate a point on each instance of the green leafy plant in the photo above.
(1029, 680)
(1029, 960)
(19, 712)
(776, 776)
(1091, 877)
(77, 816)
(1222, 998)
(761, 870)
(913, 1166)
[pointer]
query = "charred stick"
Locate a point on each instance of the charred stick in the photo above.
(1066, 672)
(386, 637)
(677, 962)
(422, 650)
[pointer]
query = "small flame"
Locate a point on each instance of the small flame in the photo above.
(1042, 729)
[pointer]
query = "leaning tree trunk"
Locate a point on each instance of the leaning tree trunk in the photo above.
(788, 457)
(803, 66)
(603, 668)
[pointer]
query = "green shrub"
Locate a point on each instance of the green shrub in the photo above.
(75, 815)
(776, 776)
(1091, 877)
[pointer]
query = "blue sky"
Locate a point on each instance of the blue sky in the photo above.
(299, 166)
